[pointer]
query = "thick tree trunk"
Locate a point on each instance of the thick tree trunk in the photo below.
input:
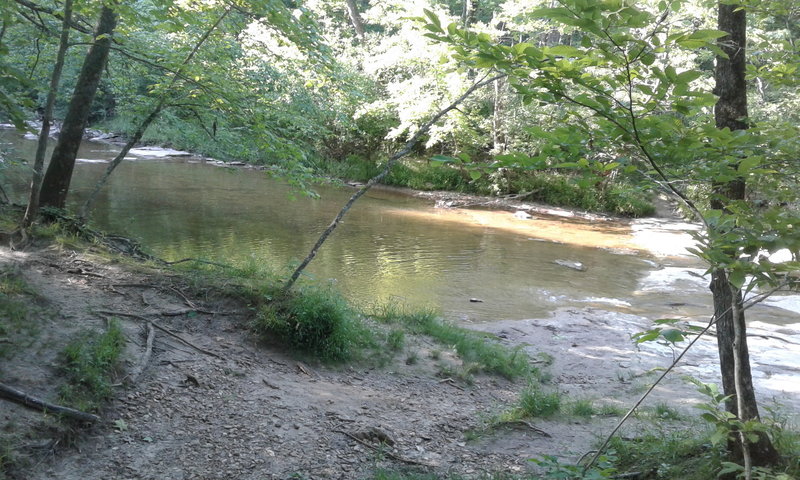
(55, 185)
(355, 18)
(731, 112)
(38, 163)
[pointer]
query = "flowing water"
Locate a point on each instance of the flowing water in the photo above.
(390, 246)
(393, 247)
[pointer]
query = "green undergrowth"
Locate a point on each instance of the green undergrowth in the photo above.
(552, 187)
(548, 187)
(18, 313)
(472, 347)
(693, 455)
(89, 365)
(316, 321)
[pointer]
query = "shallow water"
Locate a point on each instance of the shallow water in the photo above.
(391, 246)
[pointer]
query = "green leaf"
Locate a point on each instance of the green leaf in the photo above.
(707, 35)
(434, 20)
(689, 75)
(563, 51)
(647, 336)
(748, 164)
(672, 335)
(736, 278)
(475, 174)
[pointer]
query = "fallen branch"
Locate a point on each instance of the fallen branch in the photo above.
(522, 423)
(148, 351)
(13, 395)
(162, 328)
(184, 311)
(385, 452)
(186, 300)
(198, 260)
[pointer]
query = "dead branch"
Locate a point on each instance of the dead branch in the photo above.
(29, 401)
(184, 311)
(383, 451)
(186, 300)
(148, 351)
(162, 328)
(524, 424)
(409, 145)
(198, 260)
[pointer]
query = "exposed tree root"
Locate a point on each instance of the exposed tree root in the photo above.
(29, 401)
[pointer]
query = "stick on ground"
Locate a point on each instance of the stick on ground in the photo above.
(29, 401)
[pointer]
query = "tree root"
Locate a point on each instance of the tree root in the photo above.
(13, 395)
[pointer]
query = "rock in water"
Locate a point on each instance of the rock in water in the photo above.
(570, 264)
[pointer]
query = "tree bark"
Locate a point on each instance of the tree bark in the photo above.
(55, 185)
(730, 112)
(355, 18)
(13, 395)
(468, 12)
(38, 163)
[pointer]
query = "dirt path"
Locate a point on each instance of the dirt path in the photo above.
(244, 410)
(248, 410)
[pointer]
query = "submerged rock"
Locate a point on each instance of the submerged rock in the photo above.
(571, 264)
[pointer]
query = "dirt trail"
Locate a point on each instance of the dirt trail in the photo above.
(248, 411)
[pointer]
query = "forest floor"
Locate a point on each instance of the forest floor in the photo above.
(240, 409)
(214, 402)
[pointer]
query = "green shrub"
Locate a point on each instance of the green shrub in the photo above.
(428, 176)
(315, 321)
(89, 363)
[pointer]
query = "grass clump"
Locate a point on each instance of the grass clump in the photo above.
(89, 364)
(583, 408)
(16, 312)
(472, 347)
(535, 402)
(315, 321)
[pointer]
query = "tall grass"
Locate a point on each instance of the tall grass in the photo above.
(471, 346)
(316, 321)
(89, 362)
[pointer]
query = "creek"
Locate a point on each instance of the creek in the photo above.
(391, 246)
(398, 248)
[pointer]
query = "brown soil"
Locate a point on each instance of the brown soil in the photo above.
(246, 410)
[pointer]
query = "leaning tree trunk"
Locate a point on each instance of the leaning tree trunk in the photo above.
(38, 162)
(730, 112)
(55, 185)
(355, 18)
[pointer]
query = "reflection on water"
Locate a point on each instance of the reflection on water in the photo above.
(390, 246)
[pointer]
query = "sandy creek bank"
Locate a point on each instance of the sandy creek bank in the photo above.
(252, 412)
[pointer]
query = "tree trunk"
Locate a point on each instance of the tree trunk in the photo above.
(731, 112)
(498, 133)
(469, 12)
(355, 18)
(38, 163)
(55, 185)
